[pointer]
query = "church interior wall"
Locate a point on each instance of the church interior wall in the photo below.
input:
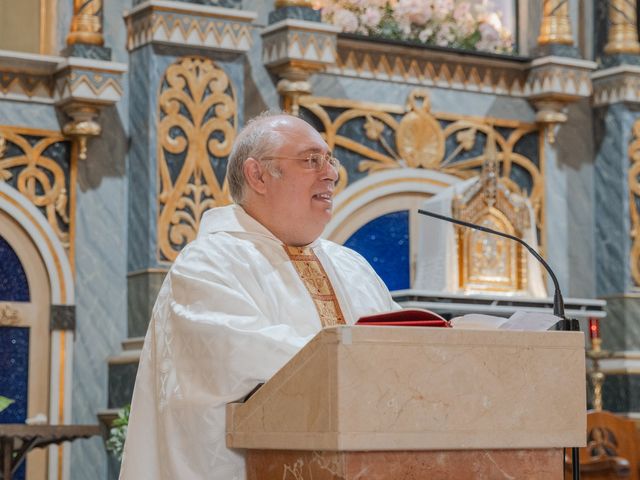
(569, 203)
(100, 285)
(117, 267)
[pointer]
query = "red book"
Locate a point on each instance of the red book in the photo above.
(410, 317)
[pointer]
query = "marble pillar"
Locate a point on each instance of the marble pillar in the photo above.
(617, 109)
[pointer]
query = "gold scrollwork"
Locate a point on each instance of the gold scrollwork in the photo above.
(37, 176)
(421, 140)
(634, 198)
(198, 122)
(8, 316)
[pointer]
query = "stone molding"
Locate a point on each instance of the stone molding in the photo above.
(300, 41)
(615, 85)
(560, 77)
(58, 80)
(456, 70)
(188, 24)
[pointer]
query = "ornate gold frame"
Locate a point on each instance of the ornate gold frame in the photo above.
(191, 89)
(56, 203)
(419, 150)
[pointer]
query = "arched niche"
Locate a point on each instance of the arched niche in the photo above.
(45, 265)
(377, 216)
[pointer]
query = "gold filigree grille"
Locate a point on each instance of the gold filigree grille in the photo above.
(38, 164)
(634, 200)
(370, 137)
(198, 122)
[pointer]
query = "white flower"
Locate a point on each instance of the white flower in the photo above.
(346, 20)
(425, 34)
(417, 12)
(445, 35)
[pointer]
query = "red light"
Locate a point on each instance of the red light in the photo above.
(594, 327)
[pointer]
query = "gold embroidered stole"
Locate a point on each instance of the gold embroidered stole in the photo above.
(318, 284)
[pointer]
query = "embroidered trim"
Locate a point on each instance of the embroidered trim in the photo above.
(312, 274)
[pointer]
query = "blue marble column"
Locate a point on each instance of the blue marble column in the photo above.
(617, 109)
(613, 123)
(568, 174)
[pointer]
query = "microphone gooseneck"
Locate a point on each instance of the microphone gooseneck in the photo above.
(558, 302)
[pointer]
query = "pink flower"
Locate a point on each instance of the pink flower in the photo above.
(442, 9)
(489, 38)
(371, 17)
(445, 35)
(417, 12)
(461, 12)
(346, 20)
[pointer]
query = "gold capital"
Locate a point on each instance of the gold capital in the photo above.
(623, 32)
(86, 24)
(555, 27)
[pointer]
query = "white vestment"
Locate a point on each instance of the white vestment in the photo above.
(231, 312)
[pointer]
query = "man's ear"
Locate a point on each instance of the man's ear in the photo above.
(254, 174)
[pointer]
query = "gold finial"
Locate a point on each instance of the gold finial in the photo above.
(83, 125)
(86, 24)
(555, 27)
(489, 175)
(623, 32)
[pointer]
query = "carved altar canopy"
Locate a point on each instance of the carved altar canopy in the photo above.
(455, 259)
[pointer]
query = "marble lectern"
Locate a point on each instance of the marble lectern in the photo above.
(413, 403)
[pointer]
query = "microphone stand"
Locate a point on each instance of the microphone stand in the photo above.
(558, 302)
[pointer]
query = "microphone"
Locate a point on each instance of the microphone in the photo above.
(558, 301)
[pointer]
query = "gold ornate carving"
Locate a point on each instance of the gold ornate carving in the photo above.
(623, 30)
(26, 162)
(198, 122)
(377, 142)
(634, 201)
(419, 136)
(555, 27)
(86, 24)
(8, 316)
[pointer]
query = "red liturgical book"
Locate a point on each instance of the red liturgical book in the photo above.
(410, 317)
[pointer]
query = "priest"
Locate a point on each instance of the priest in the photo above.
(241, 299)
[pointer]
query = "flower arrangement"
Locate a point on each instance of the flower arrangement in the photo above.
(118, 432)
(468, 24)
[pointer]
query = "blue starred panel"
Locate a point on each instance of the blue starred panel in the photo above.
(14, 377)
(13, 279)
(384, 242)
(14, 372)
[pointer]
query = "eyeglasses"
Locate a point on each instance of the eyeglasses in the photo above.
(315, 161)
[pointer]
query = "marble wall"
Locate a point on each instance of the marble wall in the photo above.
(101, 247)
(613, 243)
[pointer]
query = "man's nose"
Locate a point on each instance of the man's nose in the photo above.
(330, 172)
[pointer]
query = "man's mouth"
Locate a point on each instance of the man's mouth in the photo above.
(326, 197)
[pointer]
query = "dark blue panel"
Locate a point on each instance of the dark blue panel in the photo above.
(14, 372)
(13, 279)
(384, 242)
(14, 377)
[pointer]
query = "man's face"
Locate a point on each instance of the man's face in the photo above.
(301, 199)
